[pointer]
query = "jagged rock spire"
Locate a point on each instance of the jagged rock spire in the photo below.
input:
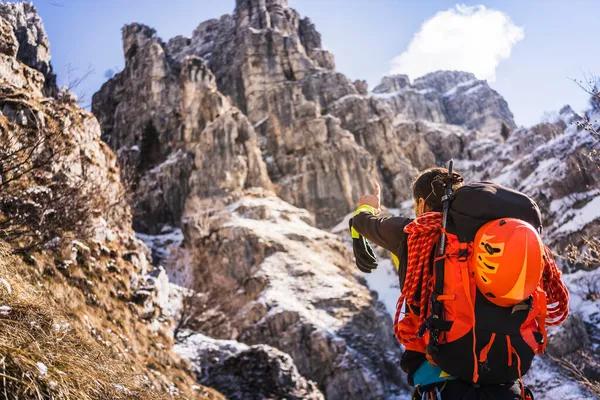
(33, 48)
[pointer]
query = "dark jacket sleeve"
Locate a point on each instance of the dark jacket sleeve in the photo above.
(387, 232)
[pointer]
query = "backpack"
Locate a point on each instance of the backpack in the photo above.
(449, 311)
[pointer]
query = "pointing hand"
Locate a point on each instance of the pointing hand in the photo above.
(373, 200)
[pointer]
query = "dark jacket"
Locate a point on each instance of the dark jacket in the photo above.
(388, 232)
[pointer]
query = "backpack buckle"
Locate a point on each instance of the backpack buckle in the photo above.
(447, 197)
(463, 252)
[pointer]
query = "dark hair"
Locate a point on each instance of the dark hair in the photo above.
(429, 185)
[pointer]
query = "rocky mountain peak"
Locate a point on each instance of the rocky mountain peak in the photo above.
(453, 97)
(392, 83)
(265, 14)
(33, 46)
(442, 81)
(135, 36)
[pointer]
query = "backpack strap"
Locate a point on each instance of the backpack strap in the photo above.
(435, 322)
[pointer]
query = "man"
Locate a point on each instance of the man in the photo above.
(388, 232)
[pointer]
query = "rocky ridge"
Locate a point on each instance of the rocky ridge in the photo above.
(450, 97)
(244, 372)
(33, 48)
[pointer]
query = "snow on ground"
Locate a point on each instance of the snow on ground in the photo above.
(347, 97)
(301, 277)
(385, 96)
(294, 286)
(203, 351)
(384, 281)
(259, 123)
(282, 219)
(580, 283)
(453, 91)
(162, 244)
(473, 89)
(570, 219)
(581, 217)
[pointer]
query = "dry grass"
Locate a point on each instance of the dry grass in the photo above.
(68, 326)
(43, 356)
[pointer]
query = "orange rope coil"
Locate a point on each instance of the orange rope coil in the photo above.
(557, 293)
(423, 234)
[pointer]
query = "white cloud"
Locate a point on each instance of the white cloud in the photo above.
(473, 39)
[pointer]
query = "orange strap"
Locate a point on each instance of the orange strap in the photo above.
(467, 287)
(511, 351)
(541, 319)
(484, 352)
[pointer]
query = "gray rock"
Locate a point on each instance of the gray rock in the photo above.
(443, 81)
(258, 373)
(33, 48)
(392, 83)
(316, 312)
(270, 62)
(170, 112)
(8, 41)
(362, 87)
(568, 337)
(451, 97)
(243, 372)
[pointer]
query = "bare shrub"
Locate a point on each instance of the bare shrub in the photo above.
(189, 316)
(75, 80)
(584, 371)
(38, 200)
(31, 217)
(213, 291)
(588, 257)
(591, 85)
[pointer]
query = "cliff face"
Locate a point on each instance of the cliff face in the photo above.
(33, 48)
(312, 123)
(159, 109)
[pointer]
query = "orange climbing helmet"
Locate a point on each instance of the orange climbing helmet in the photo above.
(508, 261)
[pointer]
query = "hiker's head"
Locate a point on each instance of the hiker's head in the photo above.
(428, 190)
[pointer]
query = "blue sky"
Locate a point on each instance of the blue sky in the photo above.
(552, 40)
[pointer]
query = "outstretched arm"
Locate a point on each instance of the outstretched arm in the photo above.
(387, 232)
